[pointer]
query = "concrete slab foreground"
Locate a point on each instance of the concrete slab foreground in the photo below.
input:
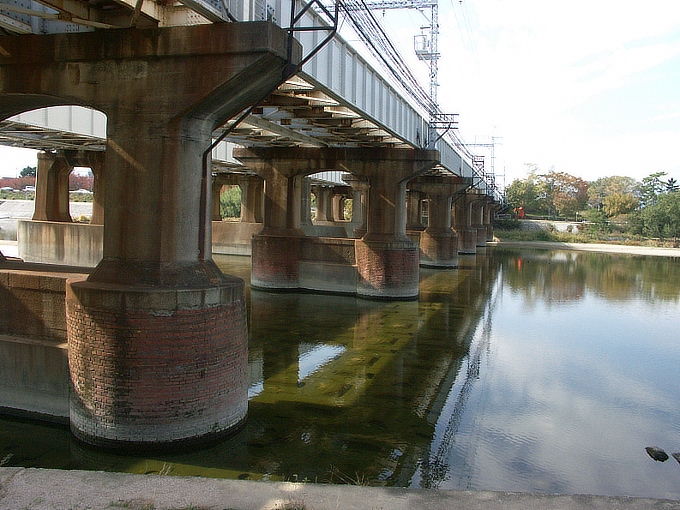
(37, 489)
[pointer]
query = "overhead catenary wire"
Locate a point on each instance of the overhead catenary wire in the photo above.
(370, 32)
(376, 40)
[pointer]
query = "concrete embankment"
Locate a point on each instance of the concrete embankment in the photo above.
(38, 489)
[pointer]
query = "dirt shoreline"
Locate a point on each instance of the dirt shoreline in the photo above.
(647, 251)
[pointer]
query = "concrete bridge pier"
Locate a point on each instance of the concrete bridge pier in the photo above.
(157, 334)
(277, 248)
(52, 184)
(414, 211)
(438, 242)
(252, 198)
(51, 236)
(387, 260)
(462, 224)
(51, 190)
(359, 192)
(234, 237)
(478, 206)
(340, 195)
(490, 213)
(324, 202)
(95, 160)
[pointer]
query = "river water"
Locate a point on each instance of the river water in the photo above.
(540, 371)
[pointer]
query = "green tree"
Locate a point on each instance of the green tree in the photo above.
(523, 193)
(652, 186)
(28, 171)
(230, 202)
(672, 186)
(662, 219)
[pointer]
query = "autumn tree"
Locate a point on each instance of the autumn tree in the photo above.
(562, 193)
(616, 184)
(616, 204)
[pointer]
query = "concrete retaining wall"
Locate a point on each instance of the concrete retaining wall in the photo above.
(34, 375)
(32, 304)
(50, 242)
(233, 237)
(34, 378)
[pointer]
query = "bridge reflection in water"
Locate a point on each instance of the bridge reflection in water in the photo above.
(422, 394)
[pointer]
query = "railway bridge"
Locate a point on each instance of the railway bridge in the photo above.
(193, 95)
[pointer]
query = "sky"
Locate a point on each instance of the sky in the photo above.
(591, 88)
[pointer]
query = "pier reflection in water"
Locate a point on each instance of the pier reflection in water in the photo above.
(523, 371)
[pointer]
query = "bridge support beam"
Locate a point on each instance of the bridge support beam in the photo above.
(414, 212)
(157, 334)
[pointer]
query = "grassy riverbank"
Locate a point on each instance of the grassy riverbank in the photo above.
(571, 232)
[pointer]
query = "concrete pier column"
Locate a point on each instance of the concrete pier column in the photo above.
(438, 242)
(306, 202)
(477, 206)
(51, 190)
(490, 213)
(338, 207)
(414, 216)
(96, 163)
(387, 260)
(157, 334)
(277, 249)
(324, 203)
(215, 189)
(359, 192)
(252, 199)
(462, 224)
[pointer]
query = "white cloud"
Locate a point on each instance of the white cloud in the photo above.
(544, 75)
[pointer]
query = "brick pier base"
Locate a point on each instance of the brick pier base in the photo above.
(387, 269)
(467, 241)
(438, 249)
(155, 367)
(276, 261)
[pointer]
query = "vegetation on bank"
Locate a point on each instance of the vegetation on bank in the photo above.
(610, 209)
(23, 187)
(511, 230)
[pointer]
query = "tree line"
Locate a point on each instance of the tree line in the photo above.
(650, 207)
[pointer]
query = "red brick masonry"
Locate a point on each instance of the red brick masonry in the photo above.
(150, 367)
(387, 270)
